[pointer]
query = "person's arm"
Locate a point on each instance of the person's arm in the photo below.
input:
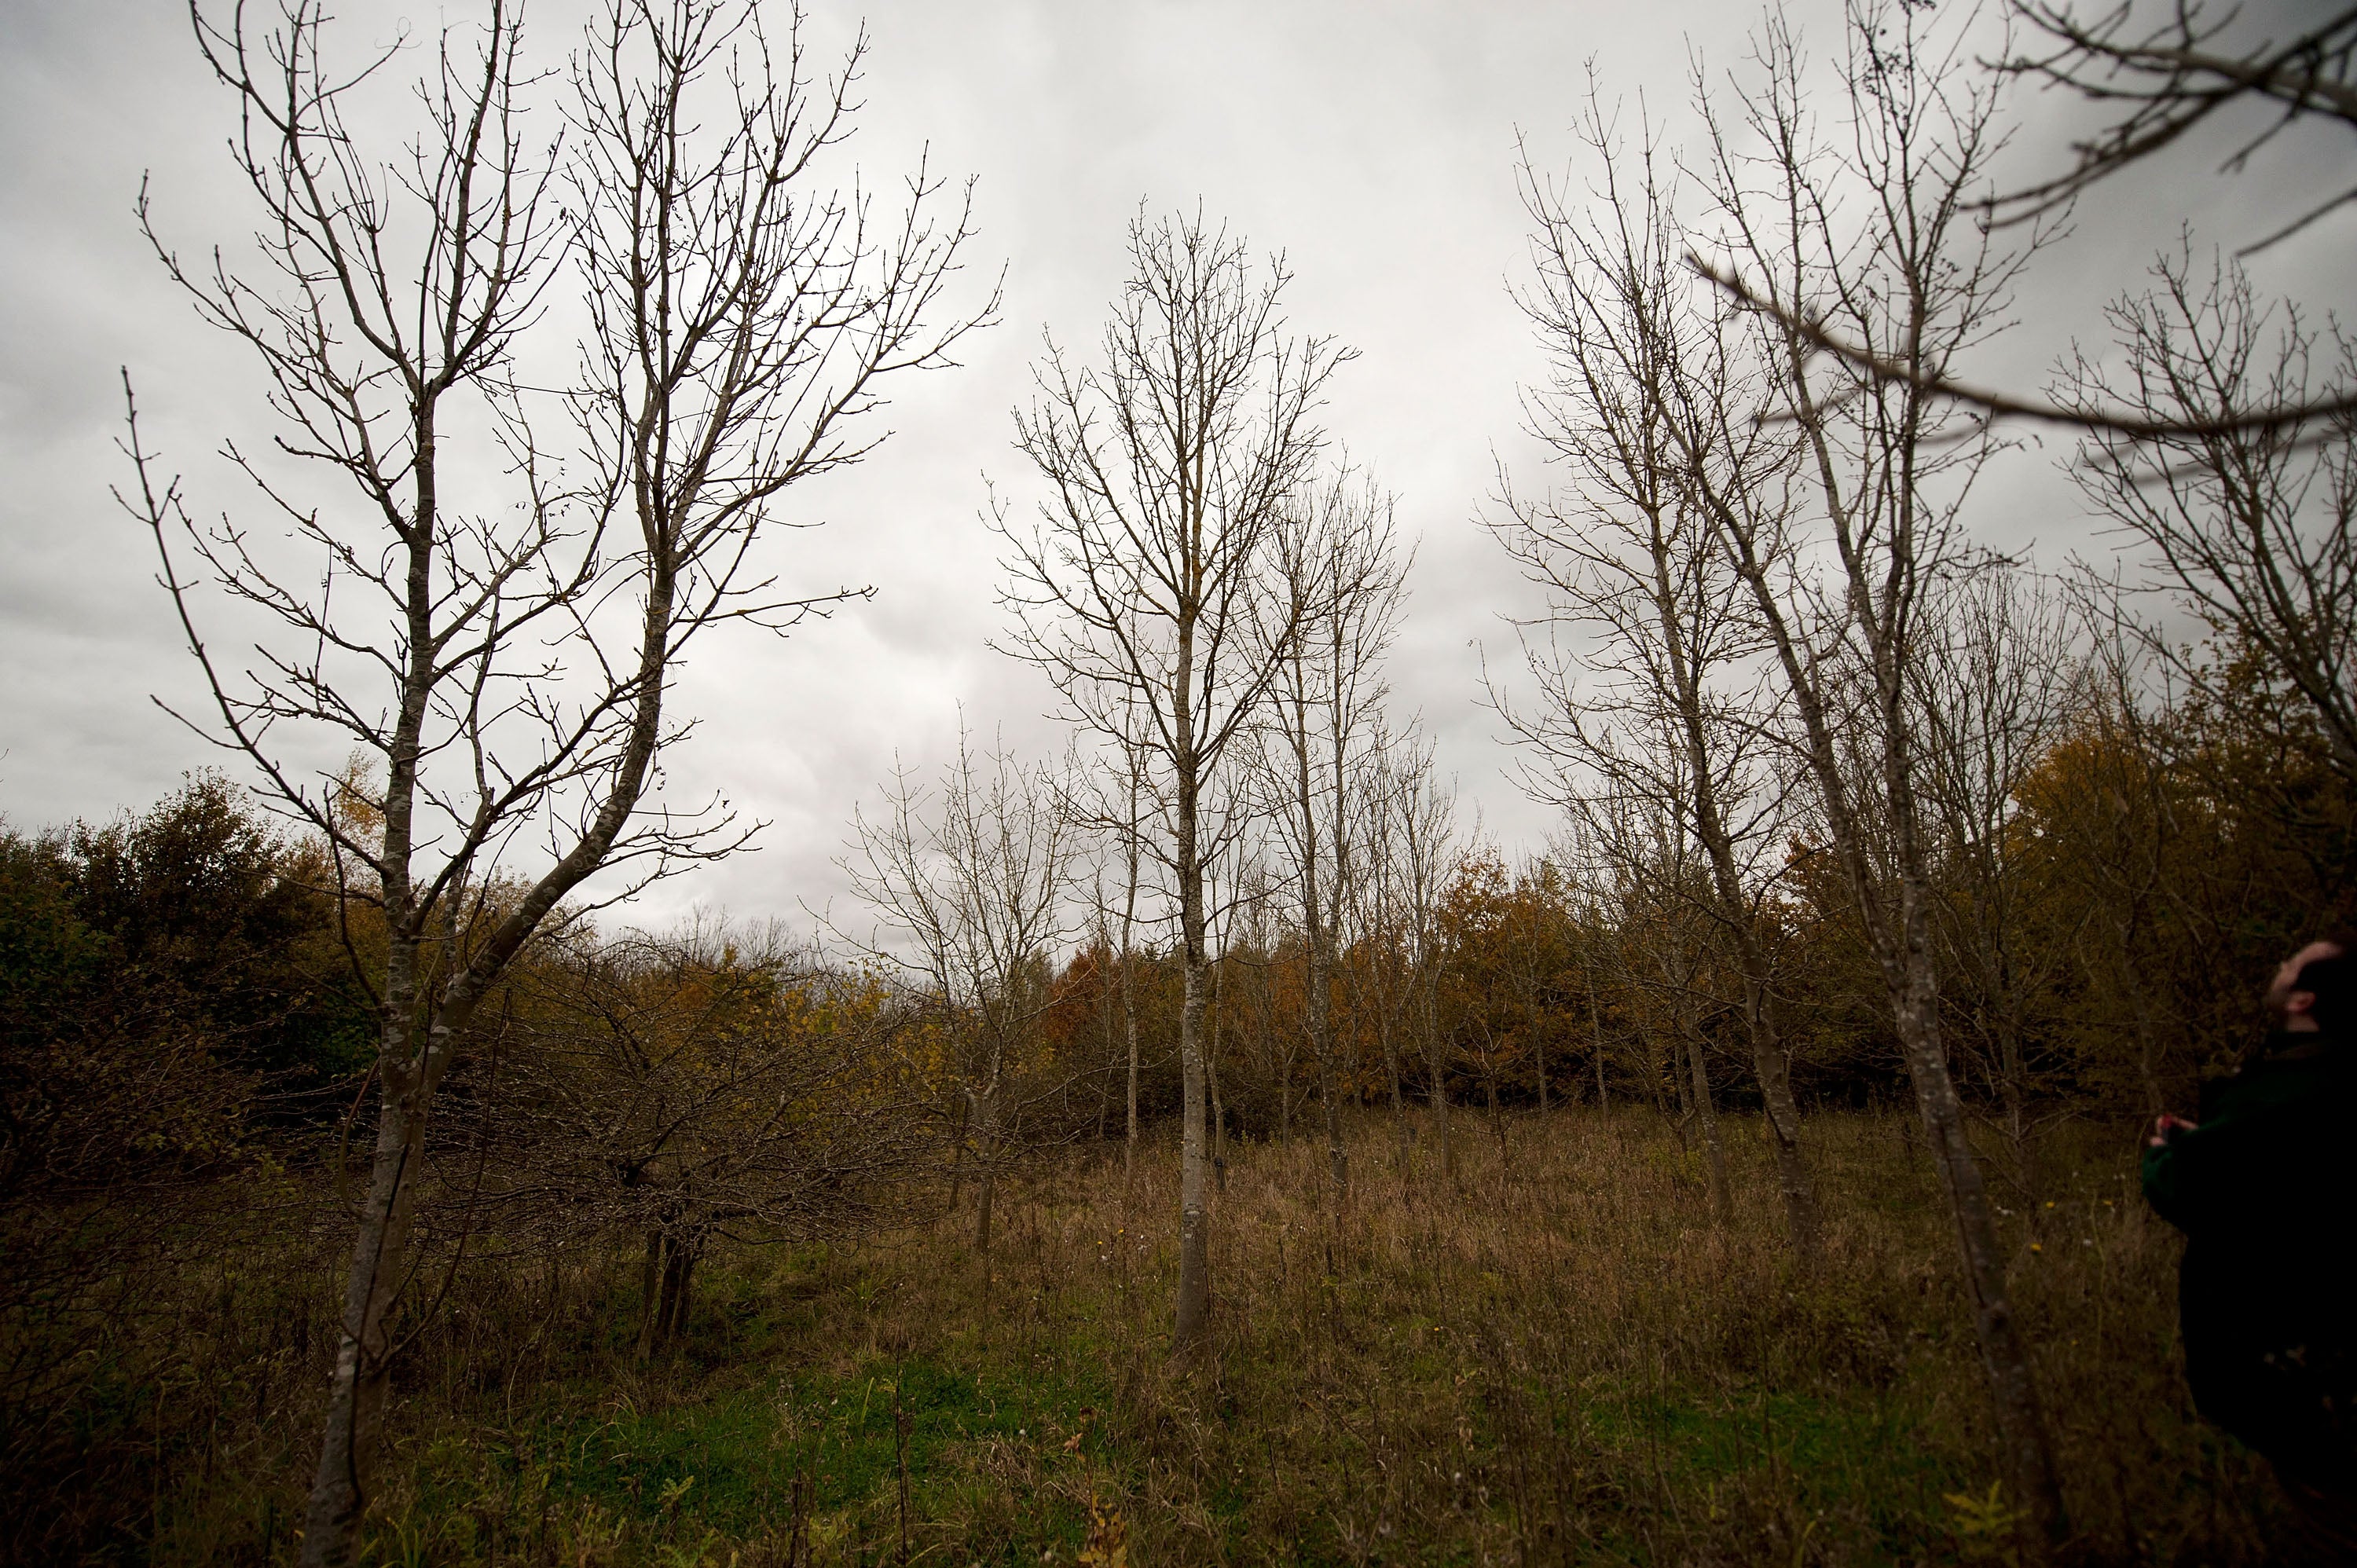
(2165, 1168)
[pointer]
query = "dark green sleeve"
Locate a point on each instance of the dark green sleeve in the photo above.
(2257, 1144)
(2164, 1169)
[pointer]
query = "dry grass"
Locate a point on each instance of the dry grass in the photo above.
(1555, 1356)
(1560, 1356)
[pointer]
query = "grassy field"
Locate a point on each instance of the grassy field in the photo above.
(1555, 1356)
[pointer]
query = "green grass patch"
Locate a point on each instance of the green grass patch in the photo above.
(691, 1476)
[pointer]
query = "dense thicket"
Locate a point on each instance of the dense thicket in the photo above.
(2159, 862)
(184, 1068)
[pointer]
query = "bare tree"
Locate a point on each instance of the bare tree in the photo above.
(1423, 835)
(2252, 527)
(1342, 574)
(1665, 709)
(501, 634)
(1876, 232)
(2170, 79)
(2174, 78)
(979, 878)
(1997, 682)
(1665, 911)
(1144, 581)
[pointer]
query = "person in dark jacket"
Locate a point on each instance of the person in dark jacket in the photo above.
(2264, 1186)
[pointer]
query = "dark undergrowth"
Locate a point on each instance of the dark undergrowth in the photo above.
(1556, 1355)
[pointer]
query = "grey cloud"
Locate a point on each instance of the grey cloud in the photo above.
(1374, 143)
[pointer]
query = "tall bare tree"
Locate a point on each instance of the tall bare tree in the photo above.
(1144, 581)
(1662, 708)
(2166, 71)
(496, 629)
(2169, 76)
(1874, 231)
(1342, 567)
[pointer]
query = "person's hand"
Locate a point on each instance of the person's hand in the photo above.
(2163, 1126)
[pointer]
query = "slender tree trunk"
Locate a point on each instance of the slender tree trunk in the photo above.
(957, 1146)
(1219, 1110)
(1194, 1306)
(1706, 1112)
(1497, 1120)
(1321, 1046)
(985, 1191)
(1129, 988)
(649, 1298)
(1487, 1052)
(1392, 1070)
(1439, 1094)
(1772, 1065)
(356, 1387)
(1105, 1022)
(2021, 1419)
(1678, 1088)
(1337, 1158)
(1903, 954)
(679, 1273)
(1129, 1023)
(985, 1119)
(1192, 1326)
(1596, 1042)
(1316, 966)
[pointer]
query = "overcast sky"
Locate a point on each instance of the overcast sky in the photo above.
(1375, 143)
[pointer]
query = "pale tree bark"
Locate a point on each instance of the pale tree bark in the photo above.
(1888, 466)
(1133, 764)
(1143, 589)
(1384, 938)
(1834, 497)
(504, 657)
